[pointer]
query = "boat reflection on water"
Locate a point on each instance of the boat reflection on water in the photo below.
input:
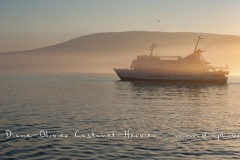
(176, 91)
(174, 94)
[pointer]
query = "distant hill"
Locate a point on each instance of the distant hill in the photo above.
(100, 52)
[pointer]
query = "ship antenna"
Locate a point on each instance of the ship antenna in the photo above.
(197, 43)
(151, 49)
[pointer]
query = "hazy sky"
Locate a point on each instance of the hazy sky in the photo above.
(27, 24)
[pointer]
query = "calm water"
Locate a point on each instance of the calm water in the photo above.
(184, 121)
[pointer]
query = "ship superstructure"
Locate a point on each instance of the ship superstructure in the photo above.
(192, 68)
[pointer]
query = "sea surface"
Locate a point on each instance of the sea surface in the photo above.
(96, 116)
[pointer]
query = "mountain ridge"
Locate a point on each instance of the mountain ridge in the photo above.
(109, 49)
(106, 35)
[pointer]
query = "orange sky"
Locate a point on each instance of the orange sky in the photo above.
(28, 24)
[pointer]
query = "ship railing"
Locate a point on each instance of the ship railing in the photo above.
(223, 70)
(176, 58)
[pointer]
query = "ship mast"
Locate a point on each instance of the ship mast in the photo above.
(197, 43)
(199, 50)
(151, 49)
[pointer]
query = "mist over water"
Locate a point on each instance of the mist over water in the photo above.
(101, 52)
(100, 103)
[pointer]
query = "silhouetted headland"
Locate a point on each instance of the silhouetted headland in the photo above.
(100, 52)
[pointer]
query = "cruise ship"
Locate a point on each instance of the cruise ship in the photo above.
(192, 68)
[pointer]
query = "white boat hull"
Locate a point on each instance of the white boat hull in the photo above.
(134, 75)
